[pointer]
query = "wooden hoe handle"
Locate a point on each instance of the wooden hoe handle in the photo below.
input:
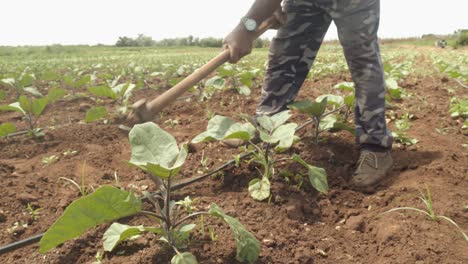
(159, 103)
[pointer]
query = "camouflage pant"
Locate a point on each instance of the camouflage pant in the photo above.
(295, 47)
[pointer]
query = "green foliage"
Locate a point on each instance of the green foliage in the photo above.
(184, 258)
(429, 211)
(326, 121)
(459, 108)
(95, 113)
(117, 233)
(462, 39)
(6, 129)
(155, 151)
(221, 127)
(317, 176)
(248, 247)
(104, 205)
(276, 136)
(400, 132)
(120, 93)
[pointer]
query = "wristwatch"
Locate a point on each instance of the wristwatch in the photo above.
(249, 24)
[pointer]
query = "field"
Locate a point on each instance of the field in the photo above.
(68, 128)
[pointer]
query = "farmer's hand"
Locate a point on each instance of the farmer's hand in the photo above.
(281, 18)
(239, 42)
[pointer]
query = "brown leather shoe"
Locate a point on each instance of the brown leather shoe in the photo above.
(372, 168)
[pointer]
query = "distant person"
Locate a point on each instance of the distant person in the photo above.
(293, 50)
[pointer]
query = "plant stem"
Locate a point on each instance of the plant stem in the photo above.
(188, 217)
(162, 218)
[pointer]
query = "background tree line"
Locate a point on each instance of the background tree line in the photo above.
(145, 41)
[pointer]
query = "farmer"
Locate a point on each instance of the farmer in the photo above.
(302, 27)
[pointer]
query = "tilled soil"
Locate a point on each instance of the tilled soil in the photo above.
(297, 225)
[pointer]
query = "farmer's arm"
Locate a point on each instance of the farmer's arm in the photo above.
(240, 40)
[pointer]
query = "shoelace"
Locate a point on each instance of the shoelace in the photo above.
(368, 158)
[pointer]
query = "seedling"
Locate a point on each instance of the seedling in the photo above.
(317, 111)
(22, 83)
(49, 160)
(155, 152)
(81, 187)
(77, 83)
(34, 213)
(119, 93)
(402, 126)
(32, 108)
(276, 136)
(429, 211)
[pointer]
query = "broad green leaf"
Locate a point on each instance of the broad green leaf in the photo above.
(345, 86)
(103, 91)
(38, 106)
(259, 189)
(50, 75)
(332, 99)
(26, 80)
(244, 90)
(221, 127)
(246, 78)
(56, 94)
(270, 123)
(349, 100)
(13, 107)
(95, 114)
(187, 228)
(117, 233)
(391, 83)
(33, 91)
(83, 81)
(310, 108)
(9, 81)
(283, 136)
(226, 71)
(328, 122)
(248, 247)
(68, 80)
(216, 82)
(104, 205)
(317, 176)
(339, 126)
(6, 129)
(184, 258)
(25, 103)
(156, 151)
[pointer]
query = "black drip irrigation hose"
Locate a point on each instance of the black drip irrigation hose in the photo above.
(179, 185)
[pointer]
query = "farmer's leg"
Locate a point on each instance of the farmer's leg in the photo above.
(292, 53)
(357, 22)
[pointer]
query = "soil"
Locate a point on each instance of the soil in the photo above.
(297, 225)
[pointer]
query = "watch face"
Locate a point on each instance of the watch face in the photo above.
(250, 24)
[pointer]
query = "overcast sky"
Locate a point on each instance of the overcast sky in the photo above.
(41, 22)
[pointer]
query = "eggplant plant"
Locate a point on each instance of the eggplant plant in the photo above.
(22, 84)
(275, 136)
(156, 152)
(325, 121)
(120, 93)
(241, 80)
(32, 108)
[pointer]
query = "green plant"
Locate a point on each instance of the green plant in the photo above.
(325, 121)
(156, 152)
(49, 160)
(34, 213)
(22, 83)
(119, 93)
(6, 129)
(81, 187)
(276, 136)
(459, 108)
(76, 83)
(402, 126)
(429, 211)
(32, 109)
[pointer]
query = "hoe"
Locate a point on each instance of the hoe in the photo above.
(145, 111)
